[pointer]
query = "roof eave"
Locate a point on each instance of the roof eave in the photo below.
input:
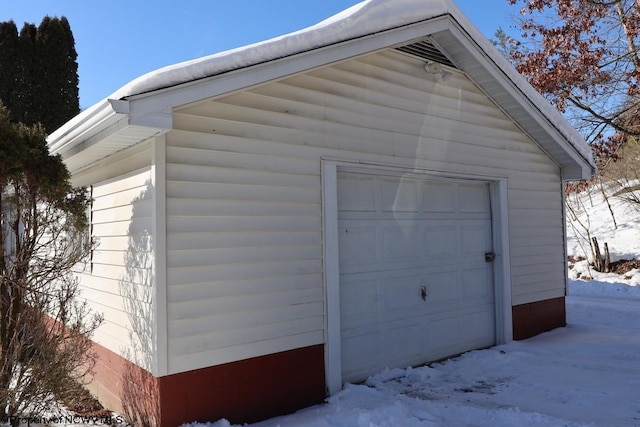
(499, 84)
(512, 93)
(151, 112)
(90, 121)
(102, 130)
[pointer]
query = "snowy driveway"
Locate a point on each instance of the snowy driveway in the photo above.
(585, 374)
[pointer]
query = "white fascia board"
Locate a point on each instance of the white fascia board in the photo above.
(96, 135)
(513, 83)
(107, 125)
(161, 101)
(87, 123)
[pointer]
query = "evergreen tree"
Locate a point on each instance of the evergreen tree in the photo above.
(9, 60)
(56, 62)
(24, 96)
(39, 72)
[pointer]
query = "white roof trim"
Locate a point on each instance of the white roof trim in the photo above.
(367, 26)
(101, 115)
(365, 18)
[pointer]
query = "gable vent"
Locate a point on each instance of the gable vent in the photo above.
(426, 50)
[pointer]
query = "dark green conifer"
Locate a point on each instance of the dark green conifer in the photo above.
(39, 72)
(56, 63)
(25, 93)
(9, 60)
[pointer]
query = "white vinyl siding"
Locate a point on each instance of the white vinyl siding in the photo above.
(120, 283)
(244, 261)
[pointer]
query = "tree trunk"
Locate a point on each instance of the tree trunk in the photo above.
(601, 264)
(606, 199)
(597, 257)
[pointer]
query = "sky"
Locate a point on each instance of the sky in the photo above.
(119, 40)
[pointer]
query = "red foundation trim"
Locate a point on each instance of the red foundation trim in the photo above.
(125, 388)
(242, 392)
(245, 391)
(538, 317)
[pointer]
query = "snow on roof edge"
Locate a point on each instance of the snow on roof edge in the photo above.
(364, 18)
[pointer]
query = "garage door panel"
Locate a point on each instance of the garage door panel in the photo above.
(397, 343)
(381, 297)
(475, 240)
(414, 284)
(474, 329)
(400, 244)
(359, 298)
(438, 197)
(399, 196)
(472, 198)
(443, 290)
(476, 285)
(402, 296)
(401, 342)
(357, 192)
(359, 355)
(438, 245)
(406, 342)
(441, 341)
(358, 246)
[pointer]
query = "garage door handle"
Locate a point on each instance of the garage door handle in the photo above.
(423, 292)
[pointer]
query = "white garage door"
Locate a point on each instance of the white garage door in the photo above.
(415, 284)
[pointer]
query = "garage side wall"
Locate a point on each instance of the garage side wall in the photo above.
(244, 224)
(117, 280)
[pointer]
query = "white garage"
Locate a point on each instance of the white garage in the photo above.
(300, 213)
(415, 270)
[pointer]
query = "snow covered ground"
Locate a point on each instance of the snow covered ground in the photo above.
(587, 374)
(623, 236)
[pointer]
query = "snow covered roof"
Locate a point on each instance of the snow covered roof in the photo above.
(364, 18)
(476, 57)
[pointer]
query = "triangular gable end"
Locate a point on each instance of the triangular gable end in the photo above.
(440, 32)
